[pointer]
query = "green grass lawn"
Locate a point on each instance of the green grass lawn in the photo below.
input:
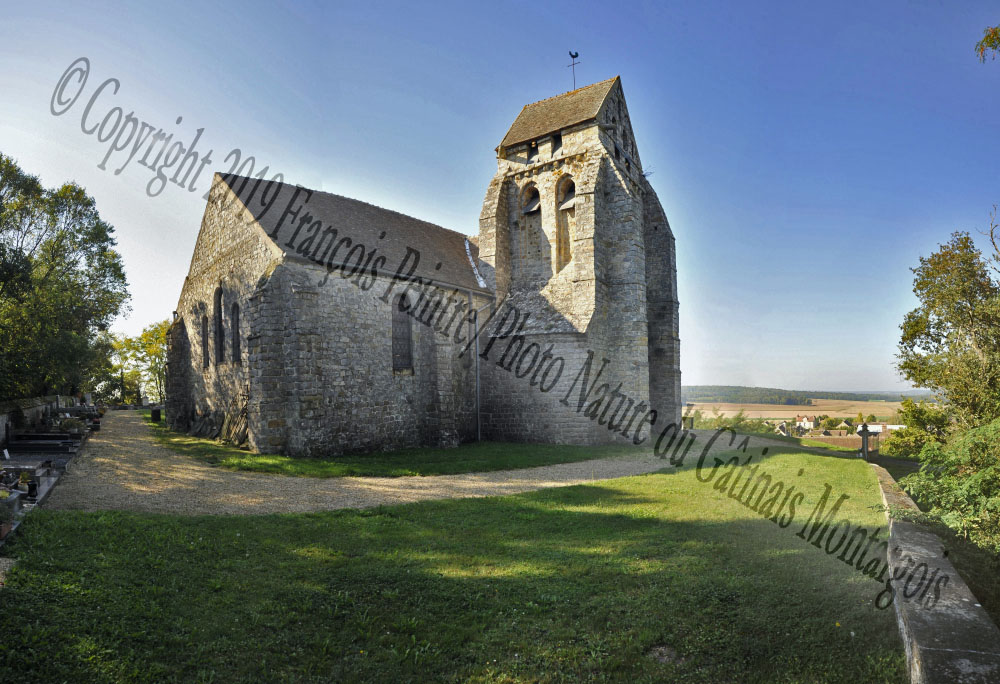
(803, 441)
(568, 584)
(474, 457)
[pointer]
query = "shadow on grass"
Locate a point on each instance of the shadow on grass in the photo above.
(564, 584)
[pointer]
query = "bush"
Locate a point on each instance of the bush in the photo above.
(907, 443)
(70, 424)
(960, 482)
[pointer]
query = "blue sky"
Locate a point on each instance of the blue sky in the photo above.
(806, 156)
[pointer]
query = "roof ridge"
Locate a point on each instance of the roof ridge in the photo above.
(570, 92)
(559, 111)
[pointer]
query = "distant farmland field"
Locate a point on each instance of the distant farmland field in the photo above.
(830, 407)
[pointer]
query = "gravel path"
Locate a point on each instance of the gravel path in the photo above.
(122, 467)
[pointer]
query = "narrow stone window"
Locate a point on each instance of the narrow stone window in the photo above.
(532, 151)
(565, 221)
(234, 326)
(402, 338)
(556, 143)
(220, 335)
(204, 341)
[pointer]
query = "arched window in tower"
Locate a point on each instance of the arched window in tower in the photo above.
(530, 201)
(234, 330)
(565, 221)
(220, 335)
(527, 248)
(204, 341)
(402, 338)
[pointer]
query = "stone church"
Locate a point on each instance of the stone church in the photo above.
(311, 323)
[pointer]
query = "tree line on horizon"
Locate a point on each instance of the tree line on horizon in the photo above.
(737, 394)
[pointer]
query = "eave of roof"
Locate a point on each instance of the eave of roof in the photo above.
(558, 112)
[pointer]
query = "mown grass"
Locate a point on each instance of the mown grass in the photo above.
(466, 458)
(801, 441)
(568, 584)
(805, 441)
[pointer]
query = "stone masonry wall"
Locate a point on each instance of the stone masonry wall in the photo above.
(230, 256)
(662, 310)
(321, 366)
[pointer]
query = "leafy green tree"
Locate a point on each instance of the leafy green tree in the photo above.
(149, 353)
(61, 284)
(926, 416)
(925, 423)
(951, 342)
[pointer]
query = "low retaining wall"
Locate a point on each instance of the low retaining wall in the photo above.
(948, 636)
(33, 409)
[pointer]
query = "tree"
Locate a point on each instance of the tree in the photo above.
(871, 418)
(925, 424)
(829, 423)
(989, 41)
(930, 418)
(951, 342)
(150, 355)
(860, 419)
(61, 284)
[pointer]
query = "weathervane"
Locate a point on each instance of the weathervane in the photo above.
(573, 56)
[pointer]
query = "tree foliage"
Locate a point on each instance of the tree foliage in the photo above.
(951, 342)
(135, 366)
(61, 284)
(960, 481)
(738, 423)
(989, 42)
(148, 355)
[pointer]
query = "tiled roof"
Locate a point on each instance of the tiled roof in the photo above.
(384, 230)
(561, 111)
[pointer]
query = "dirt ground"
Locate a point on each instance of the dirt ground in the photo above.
(122, 467)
